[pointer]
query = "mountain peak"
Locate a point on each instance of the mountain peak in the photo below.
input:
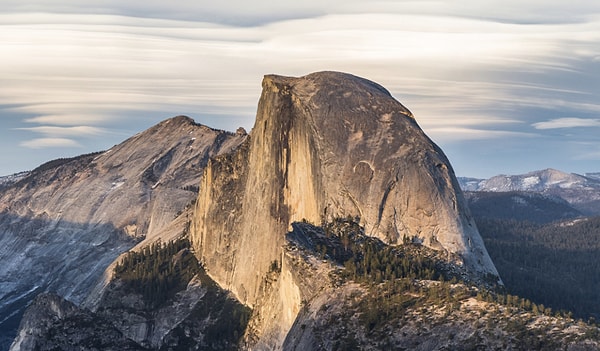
(179, 120)
(331, 78)
(326, 146)
(551, 172)
(355, 92)
(74, 216)
(532, 181)
(176, 123)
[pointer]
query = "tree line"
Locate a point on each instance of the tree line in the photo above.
(369, 260)
(158, 271)
(393, 270)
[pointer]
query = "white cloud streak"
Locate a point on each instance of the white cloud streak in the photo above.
(591, 151)
(567, 122)
(455, 134)
(44, 143)
(78, 131)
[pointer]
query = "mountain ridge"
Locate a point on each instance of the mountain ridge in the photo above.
(581, 192)
(534, 181)
(63, 223)
(325, 146)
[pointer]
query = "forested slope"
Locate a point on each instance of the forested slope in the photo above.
(557, 264)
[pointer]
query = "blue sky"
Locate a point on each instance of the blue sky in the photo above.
(502, 86)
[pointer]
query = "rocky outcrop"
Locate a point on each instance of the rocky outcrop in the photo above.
(409, 314)
(298, 219)
(63, 224)
(324, 146)
(145, 325)
(53, 323)
(200, 315)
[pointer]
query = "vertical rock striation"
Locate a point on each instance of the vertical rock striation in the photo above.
(323, 146)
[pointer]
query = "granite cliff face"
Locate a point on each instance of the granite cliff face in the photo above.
(64, 223)
(324, 146)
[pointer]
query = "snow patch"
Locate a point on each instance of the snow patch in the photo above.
(530, 182)
(573, 222)
(13, 178)
(116, 185)
(568, 185)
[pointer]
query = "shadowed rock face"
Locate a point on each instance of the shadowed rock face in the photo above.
(323, 146)
(52, 323)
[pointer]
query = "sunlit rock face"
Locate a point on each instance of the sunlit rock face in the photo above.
(67, 221)
(323, 146)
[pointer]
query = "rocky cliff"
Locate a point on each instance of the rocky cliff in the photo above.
(52, 323)
(63, 224)
(198, 316)
(325, 146)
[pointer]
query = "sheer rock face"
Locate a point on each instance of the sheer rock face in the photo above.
(323, 146)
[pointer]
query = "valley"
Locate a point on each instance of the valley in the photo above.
(541, 230)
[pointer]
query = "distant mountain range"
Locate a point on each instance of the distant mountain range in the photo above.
(582, 192)
(542, 231)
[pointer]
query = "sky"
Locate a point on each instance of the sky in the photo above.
(503, 87)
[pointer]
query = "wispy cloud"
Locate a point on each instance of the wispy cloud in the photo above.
(69, 68)
(469, 69)
(43, 143)
(567, 122)
(66, 118)
(245, 13)
(589, 157)
(454, 134)
(78, 131)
